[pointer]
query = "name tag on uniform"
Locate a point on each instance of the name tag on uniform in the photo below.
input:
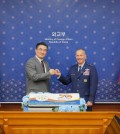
(72, 74)
(87, 72)
(85, 80)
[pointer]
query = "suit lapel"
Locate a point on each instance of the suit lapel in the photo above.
(38, 64)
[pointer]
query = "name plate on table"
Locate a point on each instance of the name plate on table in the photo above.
(53, 99)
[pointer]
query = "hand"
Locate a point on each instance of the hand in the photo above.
(89, 103)
(57, 72)
(52, 71)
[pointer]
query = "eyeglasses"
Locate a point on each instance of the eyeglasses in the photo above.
(40, 49)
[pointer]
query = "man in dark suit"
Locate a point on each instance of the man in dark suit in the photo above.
(84, 78)
(38, 72)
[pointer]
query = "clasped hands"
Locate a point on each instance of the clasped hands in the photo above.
(55, 72)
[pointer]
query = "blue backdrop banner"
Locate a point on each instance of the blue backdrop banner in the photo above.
(65, 25)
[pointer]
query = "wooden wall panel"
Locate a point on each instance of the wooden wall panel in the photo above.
(56, 122)
(33, 130)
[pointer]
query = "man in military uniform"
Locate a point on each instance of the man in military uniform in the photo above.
(83, 77)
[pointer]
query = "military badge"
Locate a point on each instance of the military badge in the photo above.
(86, 72)
(85, 80)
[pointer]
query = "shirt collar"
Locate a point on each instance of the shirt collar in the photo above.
(81, 65)
(38, 58)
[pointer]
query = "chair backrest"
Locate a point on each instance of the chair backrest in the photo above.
(114, 126)
(118, 119)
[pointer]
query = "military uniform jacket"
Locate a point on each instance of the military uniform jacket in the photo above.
(83, 82)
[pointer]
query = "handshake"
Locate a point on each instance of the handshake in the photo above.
(55, 72)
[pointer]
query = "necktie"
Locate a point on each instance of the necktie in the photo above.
(43, 66)
(79, 68)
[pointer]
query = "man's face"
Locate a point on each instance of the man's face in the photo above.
(41, 51)
(80, 57)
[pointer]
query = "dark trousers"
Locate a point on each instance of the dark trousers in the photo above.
(86, 99)
(89, 109)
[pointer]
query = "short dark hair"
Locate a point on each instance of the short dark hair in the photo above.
(41, 43)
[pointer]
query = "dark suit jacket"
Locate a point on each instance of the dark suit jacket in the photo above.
(36, 79)
(84, 82)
